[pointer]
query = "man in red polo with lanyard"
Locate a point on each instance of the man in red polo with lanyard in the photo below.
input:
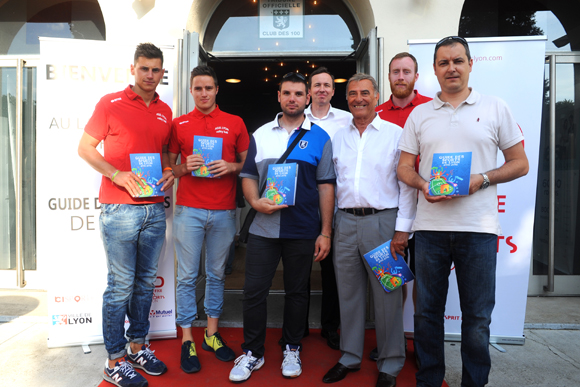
(205, 211)
(404, 98)
(131, 121)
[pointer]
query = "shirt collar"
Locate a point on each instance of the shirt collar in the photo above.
(391, 106)
(306, 125)
(470, 100)
(308, 113)
(213, 114)
(375, 123)
(132, 95)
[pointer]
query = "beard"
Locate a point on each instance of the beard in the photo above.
(398, 93)
(296, 113)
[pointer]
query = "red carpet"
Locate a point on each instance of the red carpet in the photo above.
(317, 358)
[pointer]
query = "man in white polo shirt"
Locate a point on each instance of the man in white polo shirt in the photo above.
(460, 231)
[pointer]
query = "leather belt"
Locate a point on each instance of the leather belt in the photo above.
(361, 211)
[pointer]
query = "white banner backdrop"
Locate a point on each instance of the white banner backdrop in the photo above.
(512, 69)
(72, 76)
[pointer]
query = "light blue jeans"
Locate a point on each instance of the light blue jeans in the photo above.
(191, 226)
(133, 236)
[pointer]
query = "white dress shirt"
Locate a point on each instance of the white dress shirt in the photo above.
(332, 122)
(366, 171)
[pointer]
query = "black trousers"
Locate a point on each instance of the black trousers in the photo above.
(262, 258)
(330, 310)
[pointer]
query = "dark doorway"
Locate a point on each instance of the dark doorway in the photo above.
(255, 99)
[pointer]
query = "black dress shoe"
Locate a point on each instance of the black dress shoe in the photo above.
(338, 372)
(332, 338)
(374, 355)
(386, 380)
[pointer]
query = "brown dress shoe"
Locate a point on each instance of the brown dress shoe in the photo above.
(386, 380)
(336, 373)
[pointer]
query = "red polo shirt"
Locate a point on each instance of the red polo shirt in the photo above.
(126, 125)
(396, 114)
(202, 192)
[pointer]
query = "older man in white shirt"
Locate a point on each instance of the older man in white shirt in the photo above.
(374, 206)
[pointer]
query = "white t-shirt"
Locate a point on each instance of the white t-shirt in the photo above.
(481, 125)
(332, 122)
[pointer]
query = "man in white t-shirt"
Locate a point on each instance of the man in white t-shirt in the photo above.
(460, 231)
(331, 119)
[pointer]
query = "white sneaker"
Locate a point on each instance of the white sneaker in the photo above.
(291, 366)
(243, 367)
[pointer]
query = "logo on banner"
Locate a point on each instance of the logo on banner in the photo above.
(72, 319)
(160, 313)
(281, 19)
(74, 299)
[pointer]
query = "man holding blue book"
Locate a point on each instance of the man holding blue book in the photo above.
(296, 233)
(458, 230)
(129, 122)
(373, 207)
(213, 146)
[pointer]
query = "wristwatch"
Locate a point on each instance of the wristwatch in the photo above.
(485, 183)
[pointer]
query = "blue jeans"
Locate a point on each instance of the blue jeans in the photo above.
(133, 236)
(191, 226)
(474, 256)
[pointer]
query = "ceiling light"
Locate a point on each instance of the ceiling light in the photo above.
(340, 80)
(233, 80)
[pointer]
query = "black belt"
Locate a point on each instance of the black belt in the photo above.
(361, 211)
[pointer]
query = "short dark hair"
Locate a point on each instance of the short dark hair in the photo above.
(402, 55)
(320, 70)
(149, 51)
(294, 78)
(450, 41)
(361, 77)
(203, 70)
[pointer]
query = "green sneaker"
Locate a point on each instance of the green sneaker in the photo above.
(216, 344)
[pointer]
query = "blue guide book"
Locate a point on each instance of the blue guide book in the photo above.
(210, 148)
(281, 183)
(147, 166)
(450, 174)
(390, 273)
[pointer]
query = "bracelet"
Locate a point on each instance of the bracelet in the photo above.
(113, 175)
(326, 236)
(169, 169)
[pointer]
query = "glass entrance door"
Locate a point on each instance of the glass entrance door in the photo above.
(556, 251)
(17, 170)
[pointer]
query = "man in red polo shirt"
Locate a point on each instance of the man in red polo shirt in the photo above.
(404, 98)
(205, 211)
(131, 121)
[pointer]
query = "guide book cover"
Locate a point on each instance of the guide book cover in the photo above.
(450, 174)
(147, 166)
(210, 148)
(281, 183)
(390, 273)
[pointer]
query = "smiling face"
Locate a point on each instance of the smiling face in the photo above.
(204, 91)
(452, 68)
(148, 73)
(362, 99)
(321, 89)
(402, 77)
(293, 98)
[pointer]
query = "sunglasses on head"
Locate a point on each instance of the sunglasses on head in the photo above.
(453, 38)
(292, 74)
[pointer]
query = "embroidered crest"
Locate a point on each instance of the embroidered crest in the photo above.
(303, 144)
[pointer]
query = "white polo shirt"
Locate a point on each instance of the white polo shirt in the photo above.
(481, 124)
